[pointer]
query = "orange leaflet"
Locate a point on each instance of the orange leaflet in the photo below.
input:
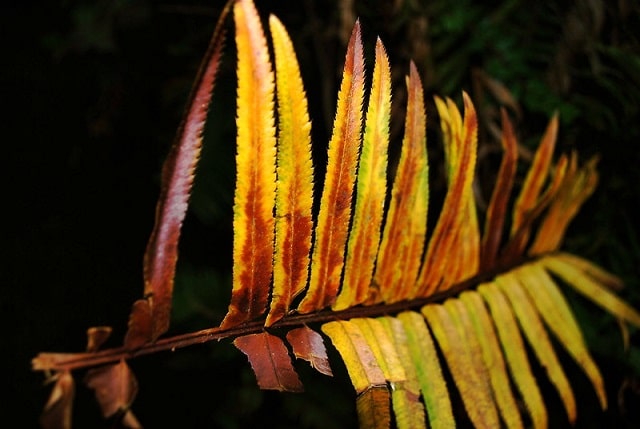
(462, 158)
(406, 222)
(577, 187)
(335, 205)
(364, 237)
(465, 258)
(294, 193)
(516, 246)
(536, 176)
(270, 361)
(253, 222)
(161, 254)
(497, 209)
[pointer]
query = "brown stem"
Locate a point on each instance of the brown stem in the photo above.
(60, 361)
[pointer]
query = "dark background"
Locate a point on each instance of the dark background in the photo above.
(93, 92)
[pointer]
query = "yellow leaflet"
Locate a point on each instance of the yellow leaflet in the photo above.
(591, 289)
(451, 126)
(536, 334)
(366, 375)
(407, 408)
(599, 275)
(253, 223)
(468, 372)
(453, 147)
(364, 237)
(557, 315)
(361, 363)
(464, 258)
(335, 204)
(575, 189)
(536, 175)
(434, 389)
(515, 352)
(294, 193)
(406, 221)
(445, 126)
(467, 247)
(384, 350)
(439, 252)
(492, 356)
(382, 347)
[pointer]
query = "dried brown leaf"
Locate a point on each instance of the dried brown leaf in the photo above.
(270, 361)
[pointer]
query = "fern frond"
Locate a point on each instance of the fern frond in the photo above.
(404, 309)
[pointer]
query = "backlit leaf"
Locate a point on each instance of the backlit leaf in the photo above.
(435, 392)
(382, 347)
(364, 237)
(591, 289)
(335, 204)
(493, 358)
(406, 220)
(469, 373)
(576, 188)
(460, 149)
(516, 246)
(361, 363)
(515, 353)
(557, 315)
(589, 268)
(537, 337)
(536, 176)
(253, 223)
(294, 194)
(408, 410)
(359, 267)
(393, 366)
(270, 362)
(366, 375)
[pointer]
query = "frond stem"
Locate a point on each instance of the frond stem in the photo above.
(47, 361)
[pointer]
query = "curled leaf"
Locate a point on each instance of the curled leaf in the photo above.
(307, 344)
(115, 387)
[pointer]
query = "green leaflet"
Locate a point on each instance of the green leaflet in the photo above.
(515, 353)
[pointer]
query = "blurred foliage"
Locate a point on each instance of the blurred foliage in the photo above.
(112, 77)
